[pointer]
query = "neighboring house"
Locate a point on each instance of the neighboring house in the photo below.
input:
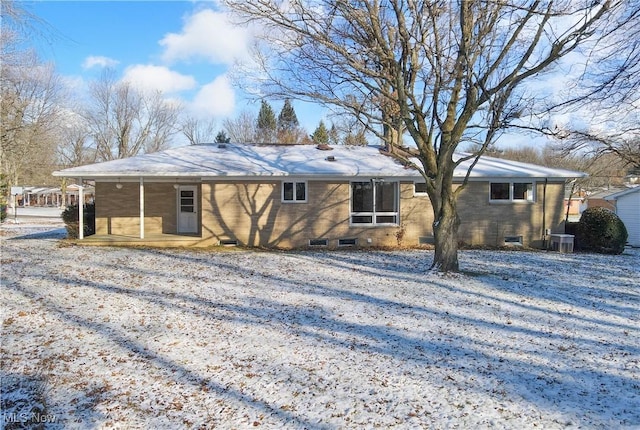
(627, 207)
(52, 197)
(573, 204)
(600, 199)
(288, 196)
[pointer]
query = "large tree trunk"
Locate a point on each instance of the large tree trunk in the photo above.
(445, 231)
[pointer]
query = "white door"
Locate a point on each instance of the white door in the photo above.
(187, 209)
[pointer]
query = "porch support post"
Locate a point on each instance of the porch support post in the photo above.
(80, 210)
(141, 208)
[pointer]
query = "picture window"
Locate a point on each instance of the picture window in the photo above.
(374, 202)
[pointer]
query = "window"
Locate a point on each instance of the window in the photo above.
(420, 188)
(512, 192)
(294, 192)
(187, 201)
(523, 191)
(374, 202)
(500, 191)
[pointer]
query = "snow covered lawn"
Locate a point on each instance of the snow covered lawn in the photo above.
(146, 338)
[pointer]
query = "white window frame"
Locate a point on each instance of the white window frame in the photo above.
(374, 214)
(511, 198)
(295, 186)
(419, 193)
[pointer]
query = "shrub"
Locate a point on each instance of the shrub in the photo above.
(601, 231)
(70, 216)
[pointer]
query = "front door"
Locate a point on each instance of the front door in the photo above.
(187, 209)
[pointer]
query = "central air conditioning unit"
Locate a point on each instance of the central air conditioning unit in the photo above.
(562, 242)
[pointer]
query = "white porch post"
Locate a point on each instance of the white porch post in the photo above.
(141, 208)
(80, 210)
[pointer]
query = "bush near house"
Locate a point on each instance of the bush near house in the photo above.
(601, 231)
(71, 217)
(4, 190)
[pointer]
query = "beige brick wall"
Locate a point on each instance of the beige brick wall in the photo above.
(416, 215)
(253, 214)
(485, 223)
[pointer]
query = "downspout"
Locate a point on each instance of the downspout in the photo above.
(141, 208)
(573, 188)
(81, 210)
(544, 214)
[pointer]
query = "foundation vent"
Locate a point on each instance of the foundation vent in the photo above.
(347, 242)
(513, 240)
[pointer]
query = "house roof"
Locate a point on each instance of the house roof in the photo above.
(616, 196)
(235, 161)
(604, 194)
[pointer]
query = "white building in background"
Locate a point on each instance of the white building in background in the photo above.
(627, 207)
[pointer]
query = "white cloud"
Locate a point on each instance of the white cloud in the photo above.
(216, 99)
(150, 77)
(208, 35)
(99, 61)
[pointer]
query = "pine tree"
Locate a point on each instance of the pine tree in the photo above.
(222, 137)
(287, 120)
(266, 124)
(334, 135)
(321, 134)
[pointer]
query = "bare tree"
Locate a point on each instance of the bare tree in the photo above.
(621, 137)
(29, 112)
(30, 92)
(75, 147)
(452, 72)
(241, 129)
(603, 171)
(347, 130)
(125, 122)
(198, 131)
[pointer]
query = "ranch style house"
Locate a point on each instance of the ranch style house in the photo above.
(298, 196)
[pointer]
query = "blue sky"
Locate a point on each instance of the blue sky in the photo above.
(184, 48)
(187, 49)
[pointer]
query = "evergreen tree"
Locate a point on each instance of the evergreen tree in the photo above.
(287, 120)
(334, 135)
(222, 137)
(266, 124)
(321, 134)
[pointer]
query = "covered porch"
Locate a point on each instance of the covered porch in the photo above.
(144, 212)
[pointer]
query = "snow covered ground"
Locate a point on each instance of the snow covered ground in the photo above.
(147, 338)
